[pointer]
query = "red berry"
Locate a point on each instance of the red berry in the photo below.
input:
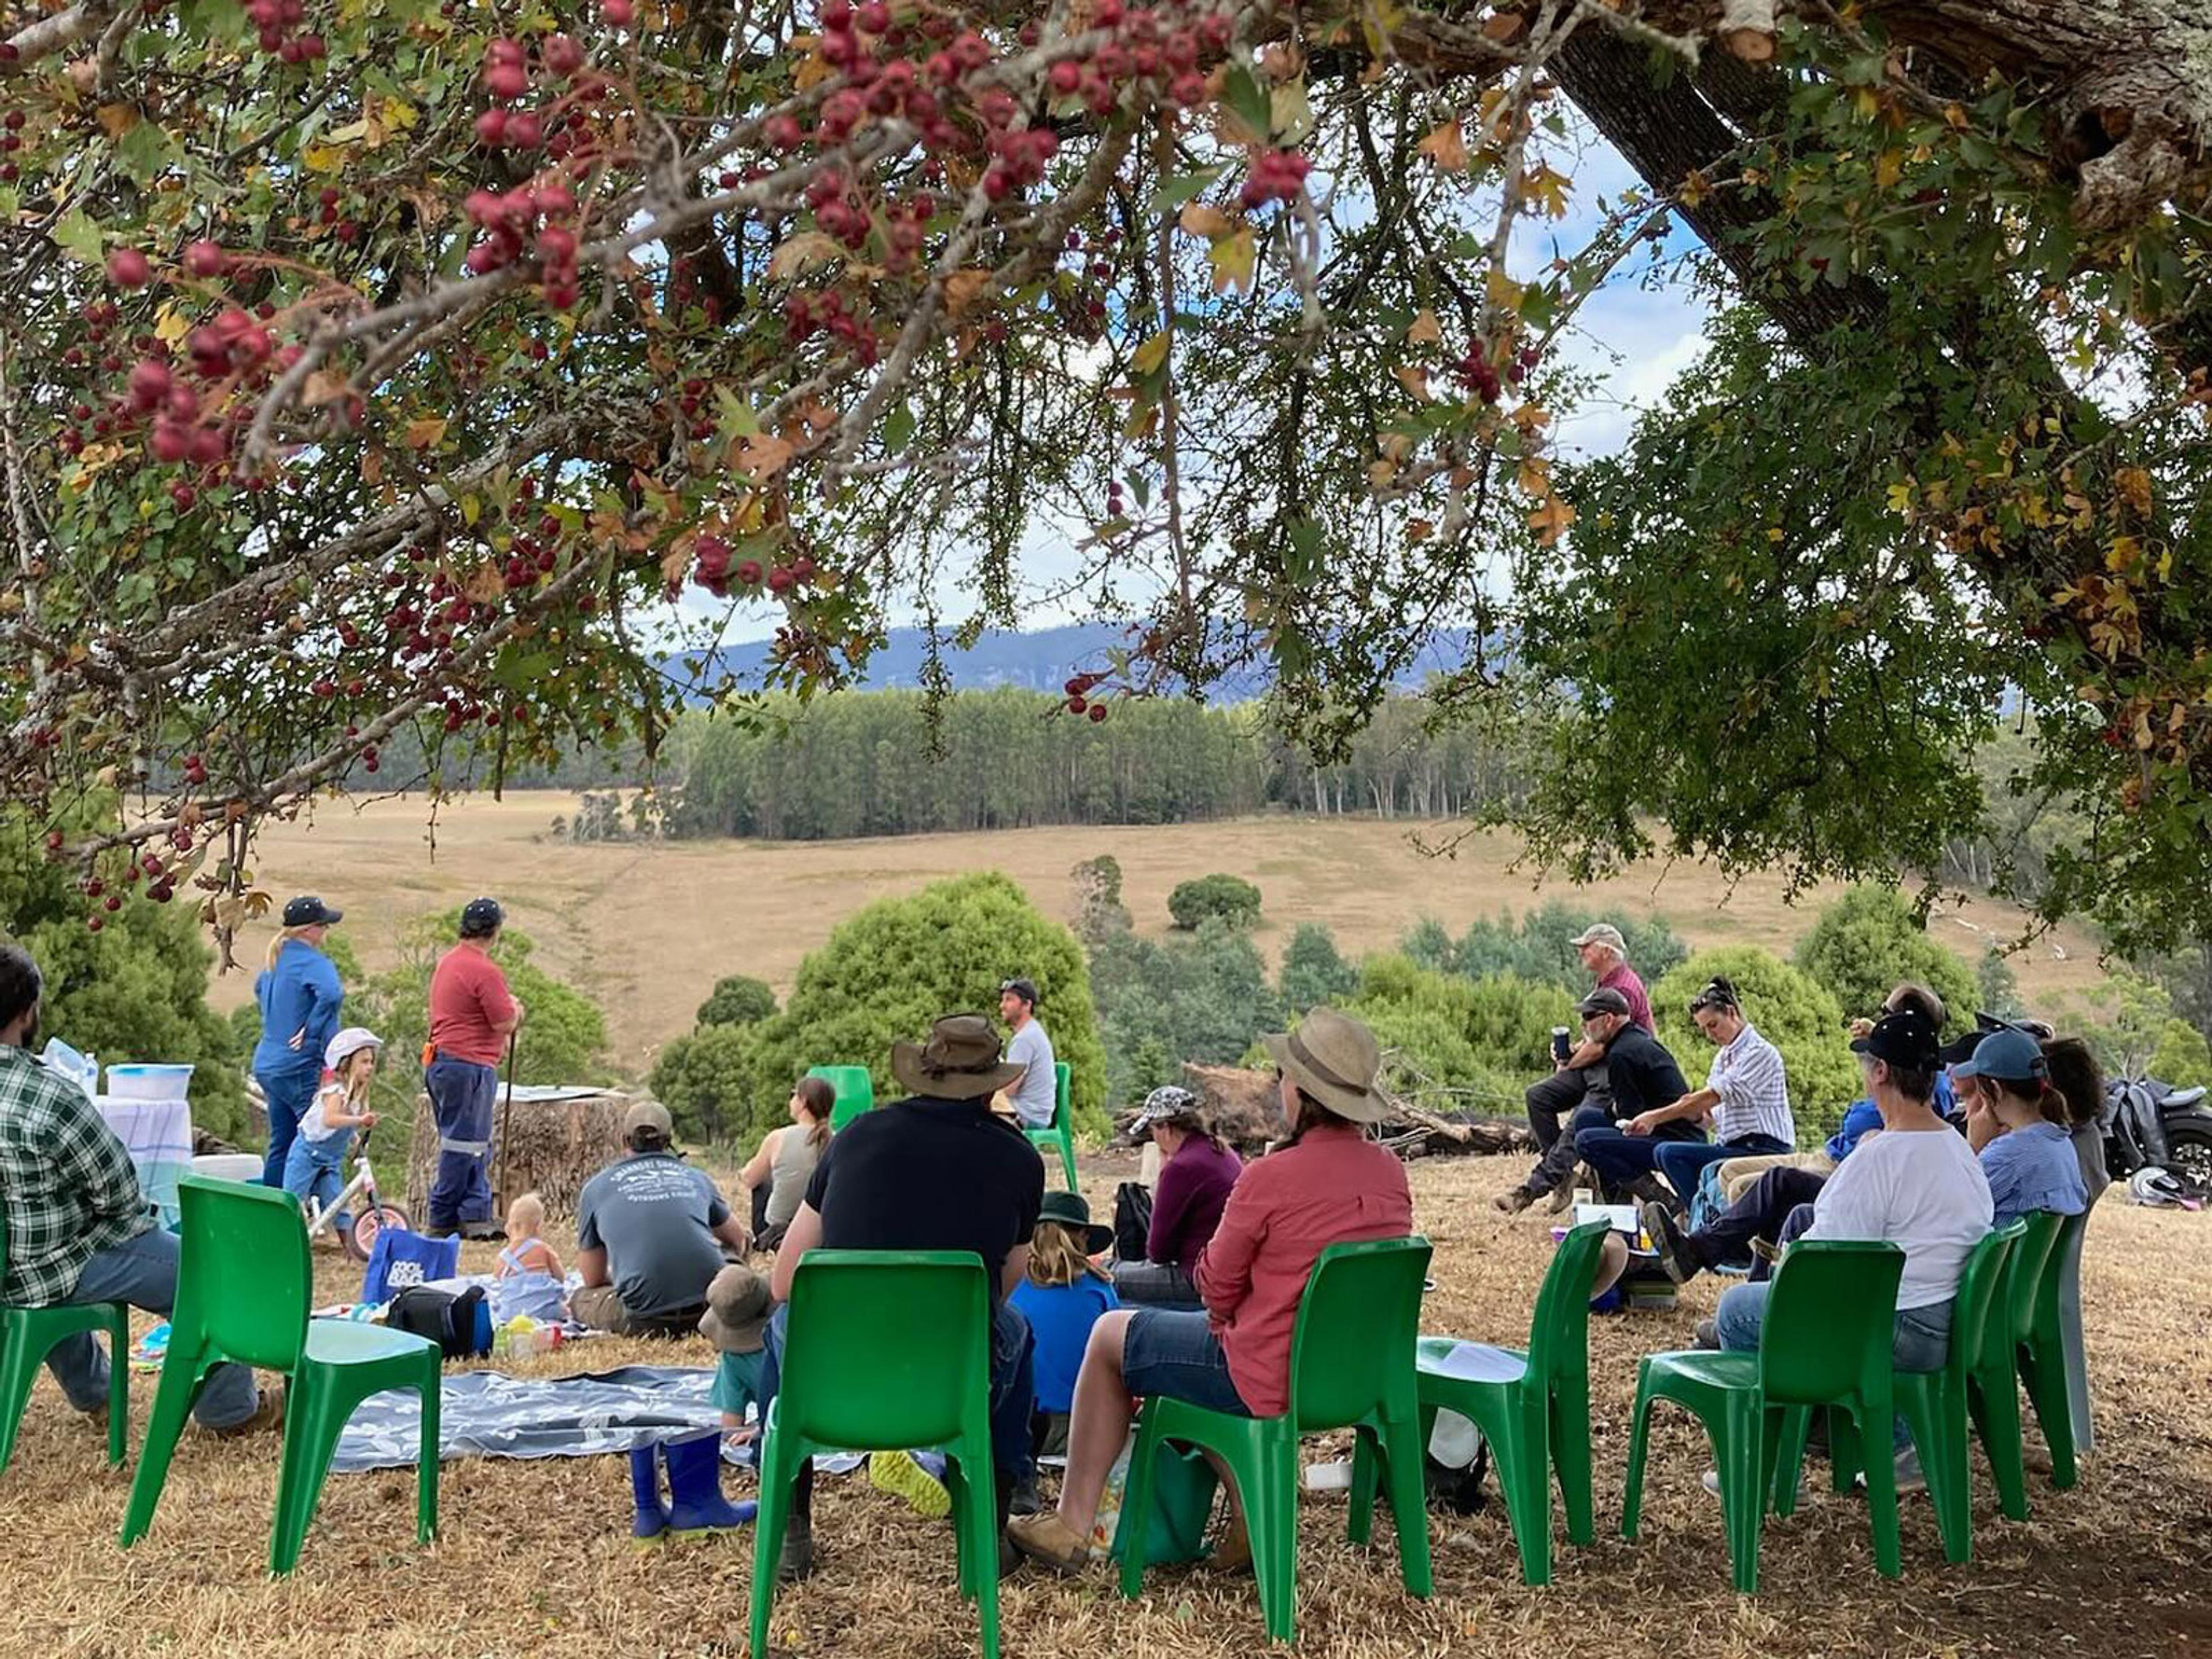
(491, 128)
(507, 81)
(95, 923)
(617, 13)
(113, 905)
(204, 259)
(1097, 712)
(1066, 76)
(127, 267)
(561, 54)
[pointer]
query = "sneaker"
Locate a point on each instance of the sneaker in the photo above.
(898, 1474)
(268, 1413)
(1046, 1538)
(1513, 1201)
(1563, 1195)
(1666, 1239)
(1910, 1475)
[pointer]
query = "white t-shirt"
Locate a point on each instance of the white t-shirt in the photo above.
(1037, 1098)
(314, 1125)
(1922, 1190)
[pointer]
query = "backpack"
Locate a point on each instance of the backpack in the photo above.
(1132, 1220)
(459, 1325)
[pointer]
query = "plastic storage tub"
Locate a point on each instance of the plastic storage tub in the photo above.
(148, 1082)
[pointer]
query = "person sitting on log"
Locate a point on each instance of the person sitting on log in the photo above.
(651, 1231)
(1197, 1171)
(1640, 1074)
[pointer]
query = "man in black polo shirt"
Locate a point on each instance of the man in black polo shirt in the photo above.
(1610, 1026)
(1644, 1078)
(935, 1172)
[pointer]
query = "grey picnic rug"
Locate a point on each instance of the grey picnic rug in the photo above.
(486, 1414)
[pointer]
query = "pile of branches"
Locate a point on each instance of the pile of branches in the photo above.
(1244, 1109)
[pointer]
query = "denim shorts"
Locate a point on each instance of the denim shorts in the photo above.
(1177, 1354)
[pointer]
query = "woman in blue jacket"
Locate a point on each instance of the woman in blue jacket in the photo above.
(300, 998)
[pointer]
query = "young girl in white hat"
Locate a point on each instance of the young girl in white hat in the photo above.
(341, 1106)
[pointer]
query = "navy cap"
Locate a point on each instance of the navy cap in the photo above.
(480, 916)
(1907, 1037)
(308, 911)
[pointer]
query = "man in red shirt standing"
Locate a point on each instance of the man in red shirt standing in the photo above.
(472, 1014)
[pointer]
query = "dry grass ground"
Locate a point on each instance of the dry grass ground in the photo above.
(535, 1560)
(649, 928)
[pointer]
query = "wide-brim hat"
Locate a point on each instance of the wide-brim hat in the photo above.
(1334, 1058)
(738, 1304)
(1070, 1210)
(959, 1060)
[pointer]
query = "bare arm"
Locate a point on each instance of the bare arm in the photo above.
(758, 1166)
(732, 1233)
(1586, 1053)
(593, 1265)
(804, 1234)
(1695, 1104)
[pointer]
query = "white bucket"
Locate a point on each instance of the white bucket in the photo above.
(148, 1082)
(229, 1166)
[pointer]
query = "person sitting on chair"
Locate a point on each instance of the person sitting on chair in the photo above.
(1580, 1077)
(79, 1231)
(1197, 1171)
(1644, 1076)
(1035, 1092)
(651, 1231)
(1745, 1096)
(778, 1172)
(1329, 1185)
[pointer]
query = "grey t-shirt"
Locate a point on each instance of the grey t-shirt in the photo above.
(651, 1213)
(1038, 1093)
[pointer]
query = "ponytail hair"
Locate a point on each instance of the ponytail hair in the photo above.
(284, 937)
(2075, 1079)
(820, 1100)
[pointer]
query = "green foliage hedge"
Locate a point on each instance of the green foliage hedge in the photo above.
(1214, 898)
(1868, 941)
(738, 999)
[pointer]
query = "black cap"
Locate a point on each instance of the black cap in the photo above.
(1603, 1000)
(308, 911)
(1962, 1050)
(1907, 1037)
(480, 916)
(1024, 988)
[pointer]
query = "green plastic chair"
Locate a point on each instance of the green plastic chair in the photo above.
(1533, 1408)
(2042, 1354)
(1993, 1389)
(242, 1294)
(1831, 1321)
(1351, 1366)
(887, 1351)
(855, 1090)
(27, 1336)
(1061, 1131)
(1935, 1403)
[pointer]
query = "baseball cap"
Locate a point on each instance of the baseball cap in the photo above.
(481, 915)
(649, 1115)
(308, 911)
(1603, 1000)
(1907, 1037)
(1958, 1052)
(2009, 1055)
(1600, 933)
(1024, 988)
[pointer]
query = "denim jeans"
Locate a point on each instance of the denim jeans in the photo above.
(1683, 1161)
(463, 1095)
(1154, 1285)
(288, 1094)
(142, 1272)
(1921, 1341)
(1178, 1357)
(1013, 1385)
(312, 1172)
(1619, 1158)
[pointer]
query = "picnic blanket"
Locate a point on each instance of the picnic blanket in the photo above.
(485, 1414)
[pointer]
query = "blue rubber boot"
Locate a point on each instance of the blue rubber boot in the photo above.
(645, 1488)
(696, 1503)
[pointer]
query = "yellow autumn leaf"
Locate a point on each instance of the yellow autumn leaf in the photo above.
(1233, 258)
(1151, 354)
(1549, 188)
(1888, 167)
(1381, 472)
(799, 254)
(1200, 220)
(1415, 381)
(1900, 498)
(170, 325)
(351, 133)
(1290, 113)
(425, 431)
(760, 455)
(1534, 477)
(2125, 554)
(321, 158)
(1446, 147)
(964, 287)
(1503, 292)
(1550, 519)
(1425, 328)
(2133, 485)
(1693, 189)
(116, 119)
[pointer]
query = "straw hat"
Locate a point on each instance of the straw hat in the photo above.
(1334, 1058)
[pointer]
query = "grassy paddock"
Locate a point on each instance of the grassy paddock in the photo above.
(536, 1558)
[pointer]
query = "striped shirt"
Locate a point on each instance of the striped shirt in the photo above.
(1754, 1098)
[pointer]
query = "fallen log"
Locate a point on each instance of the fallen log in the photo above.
(1244, 1108)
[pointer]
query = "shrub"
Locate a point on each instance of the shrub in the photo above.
(1867, 941)
(1203, 997)
(2183, 1057)
(706, 1080)
(1229, 898)
(738, 999)
(1478, 1039)
(1314, 971)
(1996, 988)
(1429, 946)
(890, 969)
(1791, 1010)
(1541, 947)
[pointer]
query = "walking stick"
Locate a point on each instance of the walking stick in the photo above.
(506, 1111)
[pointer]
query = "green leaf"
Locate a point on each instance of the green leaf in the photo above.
(146, 152)
(1245, 100)
(1182, 187)
(898, 429)
(77, 236)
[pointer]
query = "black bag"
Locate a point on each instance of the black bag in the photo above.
(1132, 1220)
(1458, 1490)
(459, 1325)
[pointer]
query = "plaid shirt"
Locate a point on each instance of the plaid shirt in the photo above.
(68, 1190)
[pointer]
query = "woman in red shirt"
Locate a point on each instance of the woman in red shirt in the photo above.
(1329, 1184)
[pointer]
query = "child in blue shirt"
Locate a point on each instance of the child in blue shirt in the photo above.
(1062, 1297)
(736, 1322)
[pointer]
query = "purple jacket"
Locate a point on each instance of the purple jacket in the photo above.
(1187, 1205)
